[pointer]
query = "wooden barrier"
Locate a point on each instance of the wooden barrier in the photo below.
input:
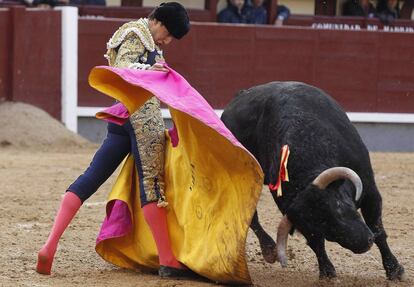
(362, 22)
(365, 71)
(93, 36)
(137, 12)
(31, 62)
(5, 54)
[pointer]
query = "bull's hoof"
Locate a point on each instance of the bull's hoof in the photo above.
(398, 274)
(327, 273)
(283, 261)
(327, 276)
(175, 273)
(269, 254)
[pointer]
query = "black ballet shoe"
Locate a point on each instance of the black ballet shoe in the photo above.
(177, 273)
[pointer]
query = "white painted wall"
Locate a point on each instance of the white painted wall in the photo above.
(69, 86)
(306, 7)
(113, 2)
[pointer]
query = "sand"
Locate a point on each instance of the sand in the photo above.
(36, 166)
(24, 126)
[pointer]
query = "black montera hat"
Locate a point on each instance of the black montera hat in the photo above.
(174, 17)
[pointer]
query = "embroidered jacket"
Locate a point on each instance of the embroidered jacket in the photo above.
(132, 46)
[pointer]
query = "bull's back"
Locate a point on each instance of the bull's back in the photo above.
(315, 127)
(290, 107)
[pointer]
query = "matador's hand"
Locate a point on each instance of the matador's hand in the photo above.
(159, 67)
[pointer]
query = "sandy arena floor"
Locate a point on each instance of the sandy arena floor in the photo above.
(33, 181)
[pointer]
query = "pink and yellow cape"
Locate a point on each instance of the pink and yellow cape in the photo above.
(212, 183)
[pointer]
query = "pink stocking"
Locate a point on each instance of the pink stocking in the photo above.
(68, 207)
(156, 218)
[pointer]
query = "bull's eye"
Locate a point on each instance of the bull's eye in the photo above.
(339, 207)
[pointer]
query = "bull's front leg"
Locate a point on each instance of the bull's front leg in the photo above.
(371, 210)
(326, 268)
(267, 244)
(393, 269)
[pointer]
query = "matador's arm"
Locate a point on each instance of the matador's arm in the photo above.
(129, 52)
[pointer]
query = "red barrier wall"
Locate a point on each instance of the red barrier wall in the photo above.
(137, 12)
(363, 22)
(93, 36)
(5, 51)
(30, 57)
(365, 71)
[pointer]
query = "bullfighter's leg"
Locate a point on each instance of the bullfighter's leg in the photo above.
(112, 151)
(371, 210)
(148, 146)
(267, 244)
(326, 268)
(69, 206)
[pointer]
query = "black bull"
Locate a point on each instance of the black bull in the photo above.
(319, 205)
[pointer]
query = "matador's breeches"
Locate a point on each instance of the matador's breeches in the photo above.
(149, 129)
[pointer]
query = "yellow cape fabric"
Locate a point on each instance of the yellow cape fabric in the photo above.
(212, 187)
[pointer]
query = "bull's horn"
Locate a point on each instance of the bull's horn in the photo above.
(334, 173)
(281, 240)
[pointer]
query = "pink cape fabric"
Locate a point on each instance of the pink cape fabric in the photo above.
(117, 114)
(174, 91)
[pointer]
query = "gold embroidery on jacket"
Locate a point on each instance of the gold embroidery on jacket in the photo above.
(130, 44)
(149, 131)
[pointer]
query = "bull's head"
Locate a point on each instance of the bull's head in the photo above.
(328, 211)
